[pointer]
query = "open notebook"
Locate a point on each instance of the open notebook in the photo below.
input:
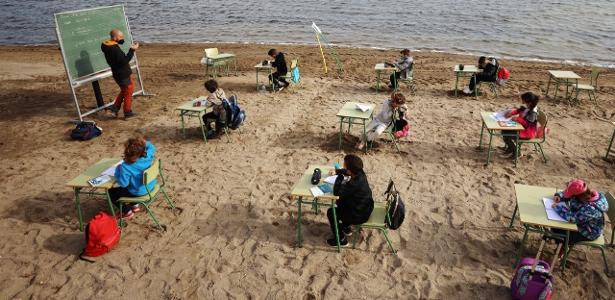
(551, 213)
(362, 107)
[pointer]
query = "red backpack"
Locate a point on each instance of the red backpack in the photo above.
(101, 235)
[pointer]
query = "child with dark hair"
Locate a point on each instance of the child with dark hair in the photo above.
(355, 203)
(279, 64)
(580, 205)
(404, 68)
(218, 114)
(489, 73)
(527, 116)
(138, 157)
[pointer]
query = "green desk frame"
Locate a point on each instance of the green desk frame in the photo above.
(468, 71)
(608, 150)
(269, 70)
(348, 114)
(187, 110)
(559, 77)
(302, 195)
(382, 68)
(80, 183)
(494, 130)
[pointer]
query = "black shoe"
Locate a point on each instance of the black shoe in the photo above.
(347, 231)
(129, 114)
(211, 134)
(333, 243)
(114, 110)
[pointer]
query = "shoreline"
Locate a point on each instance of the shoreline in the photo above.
(530, 59)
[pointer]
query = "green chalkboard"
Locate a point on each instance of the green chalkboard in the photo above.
(80, 34)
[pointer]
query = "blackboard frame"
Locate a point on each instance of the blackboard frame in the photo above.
(94, 77)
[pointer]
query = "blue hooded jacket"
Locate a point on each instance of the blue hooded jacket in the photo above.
(131, 175)
(589, 216)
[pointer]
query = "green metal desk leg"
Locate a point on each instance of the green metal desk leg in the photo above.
(520, 250)
(78, 207)
(235, 65)
(489, 148)
(480, 142)
(512, 219)
(181, 114)
(475, 86)
(377, 81)
(341, 132)
(299, 233)
(517, 148)
(567, 90)
(202, 127)
(566, 250)
(110, 203)
(608, 150)
(257, 79)
(365, 137)
(456, 82)
(548, 86)
(337, 234)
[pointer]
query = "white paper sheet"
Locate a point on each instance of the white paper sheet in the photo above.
(551, 213)
(500, 115)
(316, 191)
(111, 170)
(362, 107)
(331, 179)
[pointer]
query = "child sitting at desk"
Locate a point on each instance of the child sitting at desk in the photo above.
(527, 116)
(355, 203)
(218, 113)
(489, 73)
(390, 107)
(138, 156)
(404, 67)
(584, 207)
(281, 69)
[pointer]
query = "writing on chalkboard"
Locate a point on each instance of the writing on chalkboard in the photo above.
(80, 34)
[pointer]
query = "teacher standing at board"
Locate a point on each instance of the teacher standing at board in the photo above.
(120, 67)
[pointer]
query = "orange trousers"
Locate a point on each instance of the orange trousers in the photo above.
(125, 96)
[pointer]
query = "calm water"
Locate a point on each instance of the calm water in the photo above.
(564, 30)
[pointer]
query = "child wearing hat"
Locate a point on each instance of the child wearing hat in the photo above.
(583, 206)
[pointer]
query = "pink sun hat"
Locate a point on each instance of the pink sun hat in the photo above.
(575, 187)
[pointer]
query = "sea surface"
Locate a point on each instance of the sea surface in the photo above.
(573, 31)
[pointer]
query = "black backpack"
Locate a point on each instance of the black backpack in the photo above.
(85, 131)
(235, 116)
(397, 210)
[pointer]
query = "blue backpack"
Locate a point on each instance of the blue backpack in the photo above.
(295, 76)
(235, 116)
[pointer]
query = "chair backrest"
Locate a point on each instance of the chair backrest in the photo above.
(593, 79)
(611, 212)
(151, 173)
(542, 120)
(211, 52)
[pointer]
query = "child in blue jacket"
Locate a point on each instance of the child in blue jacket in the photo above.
(584, 207)
(138, 157)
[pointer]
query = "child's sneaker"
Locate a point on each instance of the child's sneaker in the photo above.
(467, 91)
(128, 215)
(347, 231)
(114, 110)
(135, 208)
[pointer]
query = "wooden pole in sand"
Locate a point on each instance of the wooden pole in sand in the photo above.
(322, 53)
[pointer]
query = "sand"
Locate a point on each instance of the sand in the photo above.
(235, 234)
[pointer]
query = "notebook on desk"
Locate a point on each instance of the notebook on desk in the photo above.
(362, 107)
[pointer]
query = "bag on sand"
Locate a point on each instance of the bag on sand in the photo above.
(85, 131)
(503, 76)
(532, 279)
(101, 234)
(397, 210)
(235, 116)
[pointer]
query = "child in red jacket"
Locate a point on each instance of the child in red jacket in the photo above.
(527, 116)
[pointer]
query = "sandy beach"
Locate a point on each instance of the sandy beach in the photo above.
(234, 236)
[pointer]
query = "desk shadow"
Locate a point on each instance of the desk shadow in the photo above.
(57, 209)
(66, 244)
(187, 76)
(234, 221)
(486, 290)
(22, 103)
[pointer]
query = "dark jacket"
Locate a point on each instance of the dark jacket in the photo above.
(489, 72)
(280, 64)
(117, 60)
(355, 197)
